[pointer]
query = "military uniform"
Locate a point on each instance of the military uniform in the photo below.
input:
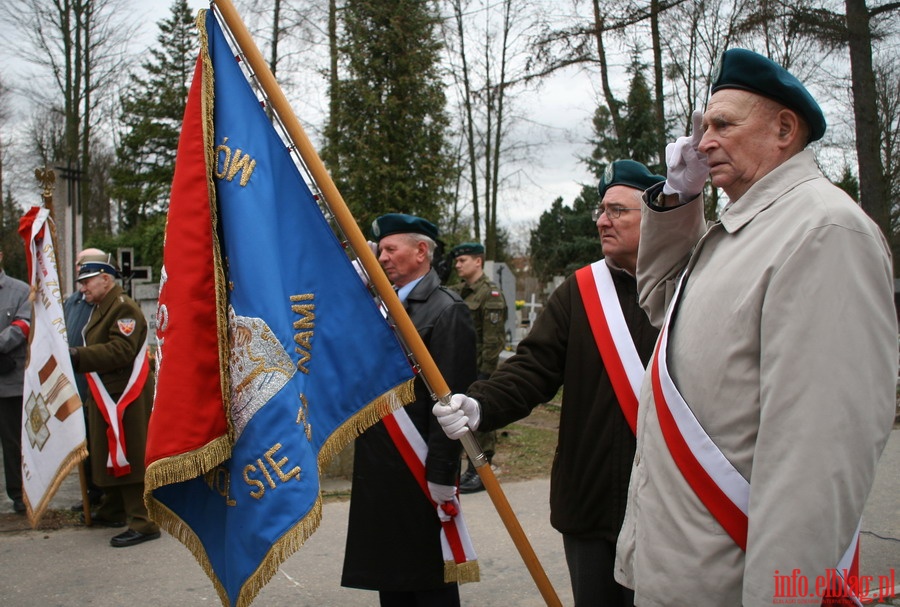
(488, 308)
(113, 338)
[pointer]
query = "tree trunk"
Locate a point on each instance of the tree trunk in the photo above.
(658, 100)
(873, 188)
(469, 120)
(611, 101)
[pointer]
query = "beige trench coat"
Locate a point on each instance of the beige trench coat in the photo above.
(785, 347)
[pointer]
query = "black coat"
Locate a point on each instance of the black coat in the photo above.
(393, 538)
(595, 449)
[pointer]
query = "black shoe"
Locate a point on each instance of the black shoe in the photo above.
(470, 483)
(468, 475)
(131, 538)
(19, 506)
(102, 522)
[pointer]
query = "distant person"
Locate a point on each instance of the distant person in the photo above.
(394, 531)
(77, 312)
(488, 308)
(568, 347)
(113, 353)
(773, 391)
(15, 324)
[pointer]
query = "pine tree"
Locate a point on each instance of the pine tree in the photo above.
(152, 111)
(566, 237)
(640, 131)
(386, 138)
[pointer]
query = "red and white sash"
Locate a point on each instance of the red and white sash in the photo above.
(620, 357)
(460, 562)
(715, 481)
(113, 412)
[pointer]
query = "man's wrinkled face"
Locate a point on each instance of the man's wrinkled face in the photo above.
(402, 258)
(95, 288)
(619, 237)
(739, 139)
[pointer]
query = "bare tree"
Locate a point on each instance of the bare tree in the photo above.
(77, 49)
(293, 35)
(488, 46)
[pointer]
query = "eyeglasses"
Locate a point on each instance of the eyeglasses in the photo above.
(613, 211)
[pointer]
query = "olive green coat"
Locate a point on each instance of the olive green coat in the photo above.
(110, 349)
(488, 308)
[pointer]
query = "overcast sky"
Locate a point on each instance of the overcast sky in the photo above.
(558, 118)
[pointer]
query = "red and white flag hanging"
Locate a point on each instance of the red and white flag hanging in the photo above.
(53, 435)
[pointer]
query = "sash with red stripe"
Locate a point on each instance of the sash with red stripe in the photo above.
(715, 481)
(620, 357)
(460, 564)
(113, 411)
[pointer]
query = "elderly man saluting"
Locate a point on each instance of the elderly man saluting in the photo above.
(771, 393)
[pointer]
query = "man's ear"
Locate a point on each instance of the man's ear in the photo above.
(422, 249)
(791, 129)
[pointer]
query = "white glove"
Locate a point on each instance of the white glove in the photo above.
(687, 169)
(441, 493)
(457, 418)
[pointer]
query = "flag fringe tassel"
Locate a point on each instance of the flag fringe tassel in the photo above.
(190, 465)
(186, 466)
(461, 573)
(76, 455)
(367, 417)
(291, 541)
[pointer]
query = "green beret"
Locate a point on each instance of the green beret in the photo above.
(467, 248)
(627, 172)
(401, 223)
(739, 68)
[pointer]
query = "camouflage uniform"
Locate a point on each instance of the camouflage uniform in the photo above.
(488, 308)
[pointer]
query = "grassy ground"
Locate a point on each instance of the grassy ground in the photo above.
(525, 448)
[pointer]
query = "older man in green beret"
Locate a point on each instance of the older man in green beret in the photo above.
(593, 340)
(772, 391)
(394, 531)
(488, 308)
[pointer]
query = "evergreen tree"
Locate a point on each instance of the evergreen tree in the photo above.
(640, 130)
(387, 136)
(11, 243)
(566, 238)
(152, 111)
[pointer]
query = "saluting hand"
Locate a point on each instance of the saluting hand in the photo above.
(687, 168)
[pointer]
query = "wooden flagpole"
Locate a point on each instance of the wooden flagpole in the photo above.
(383, 287)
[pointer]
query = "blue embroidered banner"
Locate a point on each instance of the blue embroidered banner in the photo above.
(311, 362)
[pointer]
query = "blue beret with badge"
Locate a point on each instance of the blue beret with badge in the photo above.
(401, 223)
(629, 173)
(467, 248)
(741, 69)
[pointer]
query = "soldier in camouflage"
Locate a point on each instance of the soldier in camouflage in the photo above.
(488, 308)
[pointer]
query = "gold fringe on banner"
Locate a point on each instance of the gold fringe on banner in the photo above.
(291, 541)
(367, 417)
(461, 573)
(35, 514)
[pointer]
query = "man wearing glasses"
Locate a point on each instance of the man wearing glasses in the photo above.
(593, 340)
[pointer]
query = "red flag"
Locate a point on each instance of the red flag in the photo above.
(187, 321)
